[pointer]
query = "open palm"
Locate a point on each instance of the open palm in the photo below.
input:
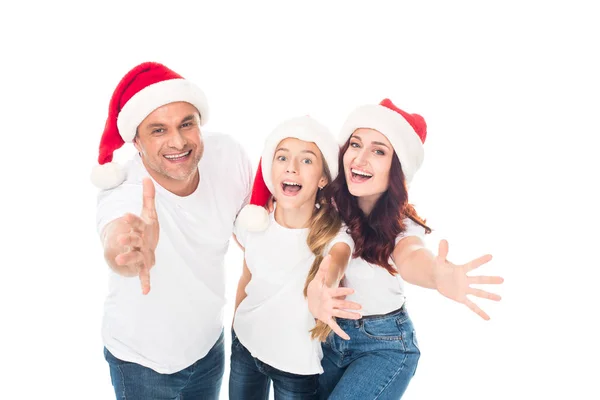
(453, 282)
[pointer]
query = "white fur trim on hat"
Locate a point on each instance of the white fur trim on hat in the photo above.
(156, 95)
(108, 176)
(400, 133)
(304, 128)
(252, 218)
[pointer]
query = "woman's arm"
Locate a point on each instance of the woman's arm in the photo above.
(415, 262)
(419, 266)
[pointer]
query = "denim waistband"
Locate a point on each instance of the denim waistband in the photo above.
(391, 314)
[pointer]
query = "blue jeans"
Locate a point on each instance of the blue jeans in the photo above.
(250, 378)
(201, 380)
(377, 362)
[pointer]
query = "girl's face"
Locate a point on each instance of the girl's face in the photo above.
(297, 173)
(367, 163)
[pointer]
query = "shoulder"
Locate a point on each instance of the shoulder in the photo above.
(218, 141)
(411, 228)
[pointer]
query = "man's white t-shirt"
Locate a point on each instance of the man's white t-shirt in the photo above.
(181, 318)
(273, 321)
(375, 289)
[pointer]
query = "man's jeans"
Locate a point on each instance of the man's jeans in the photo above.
(201, 380)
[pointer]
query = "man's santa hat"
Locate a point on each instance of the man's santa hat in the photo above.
(142, 90)
(406, 132)
(254, 216)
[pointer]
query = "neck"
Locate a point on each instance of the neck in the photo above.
(179, 187)
(295, 218)
(367, 203)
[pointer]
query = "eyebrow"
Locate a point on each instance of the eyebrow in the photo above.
(303, 151)
(378, 143)
(160, 125)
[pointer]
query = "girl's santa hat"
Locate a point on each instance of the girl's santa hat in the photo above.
(254, 216)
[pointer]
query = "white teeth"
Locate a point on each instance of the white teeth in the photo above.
(361, 173)
(174, 156)
(292, 184)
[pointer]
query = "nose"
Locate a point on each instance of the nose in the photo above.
(361, 158)
(291, 167)
(177, 140)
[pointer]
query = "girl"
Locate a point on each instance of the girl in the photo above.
(382, 149)
(271, 339)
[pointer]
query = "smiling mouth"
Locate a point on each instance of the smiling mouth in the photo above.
(178, 157)
(291, 188)
(358, 176)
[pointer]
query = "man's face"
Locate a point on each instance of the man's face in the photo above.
(170, 142)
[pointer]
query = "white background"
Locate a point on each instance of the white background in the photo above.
(511, 94)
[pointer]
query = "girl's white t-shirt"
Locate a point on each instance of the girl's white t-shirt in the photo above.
(375, 289)
(273, 321)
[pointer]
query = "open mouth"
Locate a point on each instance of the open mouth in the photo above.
(291, 188)
(178, 157)
(359, 176)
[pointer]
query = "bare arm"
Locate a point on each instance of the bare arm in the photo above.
(419, 266)
(415, 262)
(340, 254)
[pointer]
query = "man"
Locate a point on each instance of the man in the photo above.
(165, 219)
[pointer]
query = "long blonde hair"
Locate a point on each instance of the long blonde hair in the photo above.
(324, 225)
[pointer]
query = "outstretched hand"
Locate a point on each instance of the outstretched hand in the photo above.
(453, 282)
(140, 241)
(326, 302)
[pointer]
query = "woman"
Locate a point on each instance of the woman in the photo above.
(271, 339)
(381, 152)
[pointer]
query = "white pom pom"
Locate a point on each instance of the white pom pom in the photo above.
(252, 218)
(107, 176)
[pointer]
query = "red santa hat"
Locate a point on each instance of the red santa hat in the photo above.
(406, 132)
(142, 90)
(254, 216)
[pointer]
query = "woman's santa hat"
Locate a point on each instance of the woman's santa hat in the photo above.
(406, 132)
(142, 90)
(254, 217)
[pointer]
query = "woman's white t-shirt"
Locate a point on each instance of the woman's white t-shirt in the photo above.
(273, 321)
(375, 289)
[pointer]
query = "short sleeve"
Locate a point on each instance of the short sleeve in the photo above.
(341, 237)
(412, 229)
(241, 234)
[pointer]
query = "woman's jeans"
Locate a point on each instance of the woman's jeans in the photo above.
(377, 362)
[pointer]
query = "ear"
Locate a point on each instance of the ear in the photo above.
(323, 182)
(136, 143)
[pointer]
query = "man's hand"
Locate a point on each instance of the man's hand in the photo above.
(132, 240)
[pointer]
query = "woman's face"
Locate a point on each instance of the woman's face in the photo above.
(367, 163)
(297, 173)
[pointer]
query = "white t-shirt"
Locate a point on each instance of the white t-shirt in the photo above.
(179, 321)
(375, 289)
(273, 321)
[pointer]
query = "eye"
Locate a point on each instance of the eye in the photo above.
(158, 131)
(186, 124)
(307, 161)
(281, 158)
(379, 152)
(355, 145)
